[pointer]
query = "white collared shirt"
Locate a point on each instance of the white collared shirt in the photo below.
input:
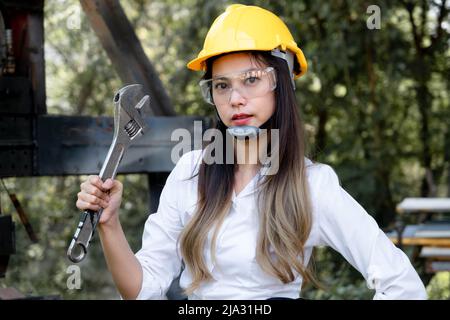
(338, 221)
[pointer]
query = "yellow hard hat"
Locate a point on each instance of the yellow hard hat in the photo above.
(242, 28)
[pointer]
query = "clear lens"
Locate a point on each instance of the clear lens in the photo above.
(205, 88)
(250, 84)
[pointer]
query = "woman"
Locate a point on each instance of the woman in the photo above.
(244, 230)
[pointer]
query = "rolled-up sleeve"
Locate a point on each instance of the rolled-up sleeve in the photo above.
(346, 227)
(159, 256)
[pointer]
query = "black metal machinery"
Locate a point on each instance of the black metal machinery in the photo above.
(33, 143)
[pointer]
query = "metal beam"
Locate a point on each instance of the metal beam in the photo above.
(26, 19)
(74, 145)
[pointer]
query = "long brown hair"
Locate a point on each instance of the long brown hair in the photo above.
(283, 198)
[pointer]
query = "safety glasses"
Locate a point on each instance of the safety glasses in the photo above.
(249, 84)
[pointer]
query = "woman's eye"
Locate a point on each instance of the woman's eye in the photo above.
(251, 80)
(220, 86)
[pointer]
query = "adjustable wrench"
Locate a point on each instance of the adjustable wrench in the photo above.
(129, 107)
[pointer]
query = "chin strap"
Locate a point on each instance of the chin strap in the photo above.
(242, 132)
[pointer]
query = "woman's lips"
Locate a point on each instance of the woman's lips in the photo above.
(241, 120)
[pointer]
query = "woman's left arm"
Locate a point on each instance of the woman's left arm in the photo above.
(347, 227)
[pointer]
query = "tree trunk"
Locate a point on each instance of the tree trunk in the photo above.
(120, 42)
(447, 159)
(384, 205)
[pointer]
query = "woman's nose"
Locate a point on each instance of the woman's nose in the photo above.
(236, 98)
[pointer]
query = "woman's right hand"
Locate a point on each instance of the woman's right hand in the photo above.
(96, 194)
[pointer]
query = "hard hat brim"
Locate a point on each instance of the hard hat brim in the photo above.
(199, 63)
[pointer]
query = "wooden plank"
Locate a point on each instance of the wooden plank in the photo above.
(120, 42)
(409, 205)
(73, 145)
(435, 253)
(434, 230)
(437, 266)
(424, 230)
(437, 242)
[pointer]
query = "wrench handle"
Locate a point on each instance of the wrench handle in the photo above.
(113, 159)
(88, 221)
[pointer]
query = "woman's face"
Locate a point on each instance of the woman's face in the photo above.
(258, 109)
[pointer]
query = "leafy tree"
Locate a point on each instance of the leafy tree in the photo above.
(374, 103)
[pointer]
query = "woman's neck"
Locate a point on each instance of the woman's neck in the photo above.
(248, 152)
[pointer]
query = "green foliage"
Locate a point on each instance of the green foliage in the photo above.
(338, 278)
(41, 269)
(359, 100)
(439, 287)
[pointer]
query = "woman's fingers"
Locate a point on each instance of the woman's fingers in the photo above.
(91, 189)
(96, 194)
(92, 199)
(114, 186)
(108, 184)
(96, 181)
(83, 205)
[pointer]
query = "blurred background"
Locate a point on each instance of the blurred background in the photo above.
(375, 102)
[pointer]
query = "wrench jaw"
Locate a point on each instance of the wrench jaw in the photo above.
(138, 125)
(140, 109)
(133, 129)
(131, 106)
